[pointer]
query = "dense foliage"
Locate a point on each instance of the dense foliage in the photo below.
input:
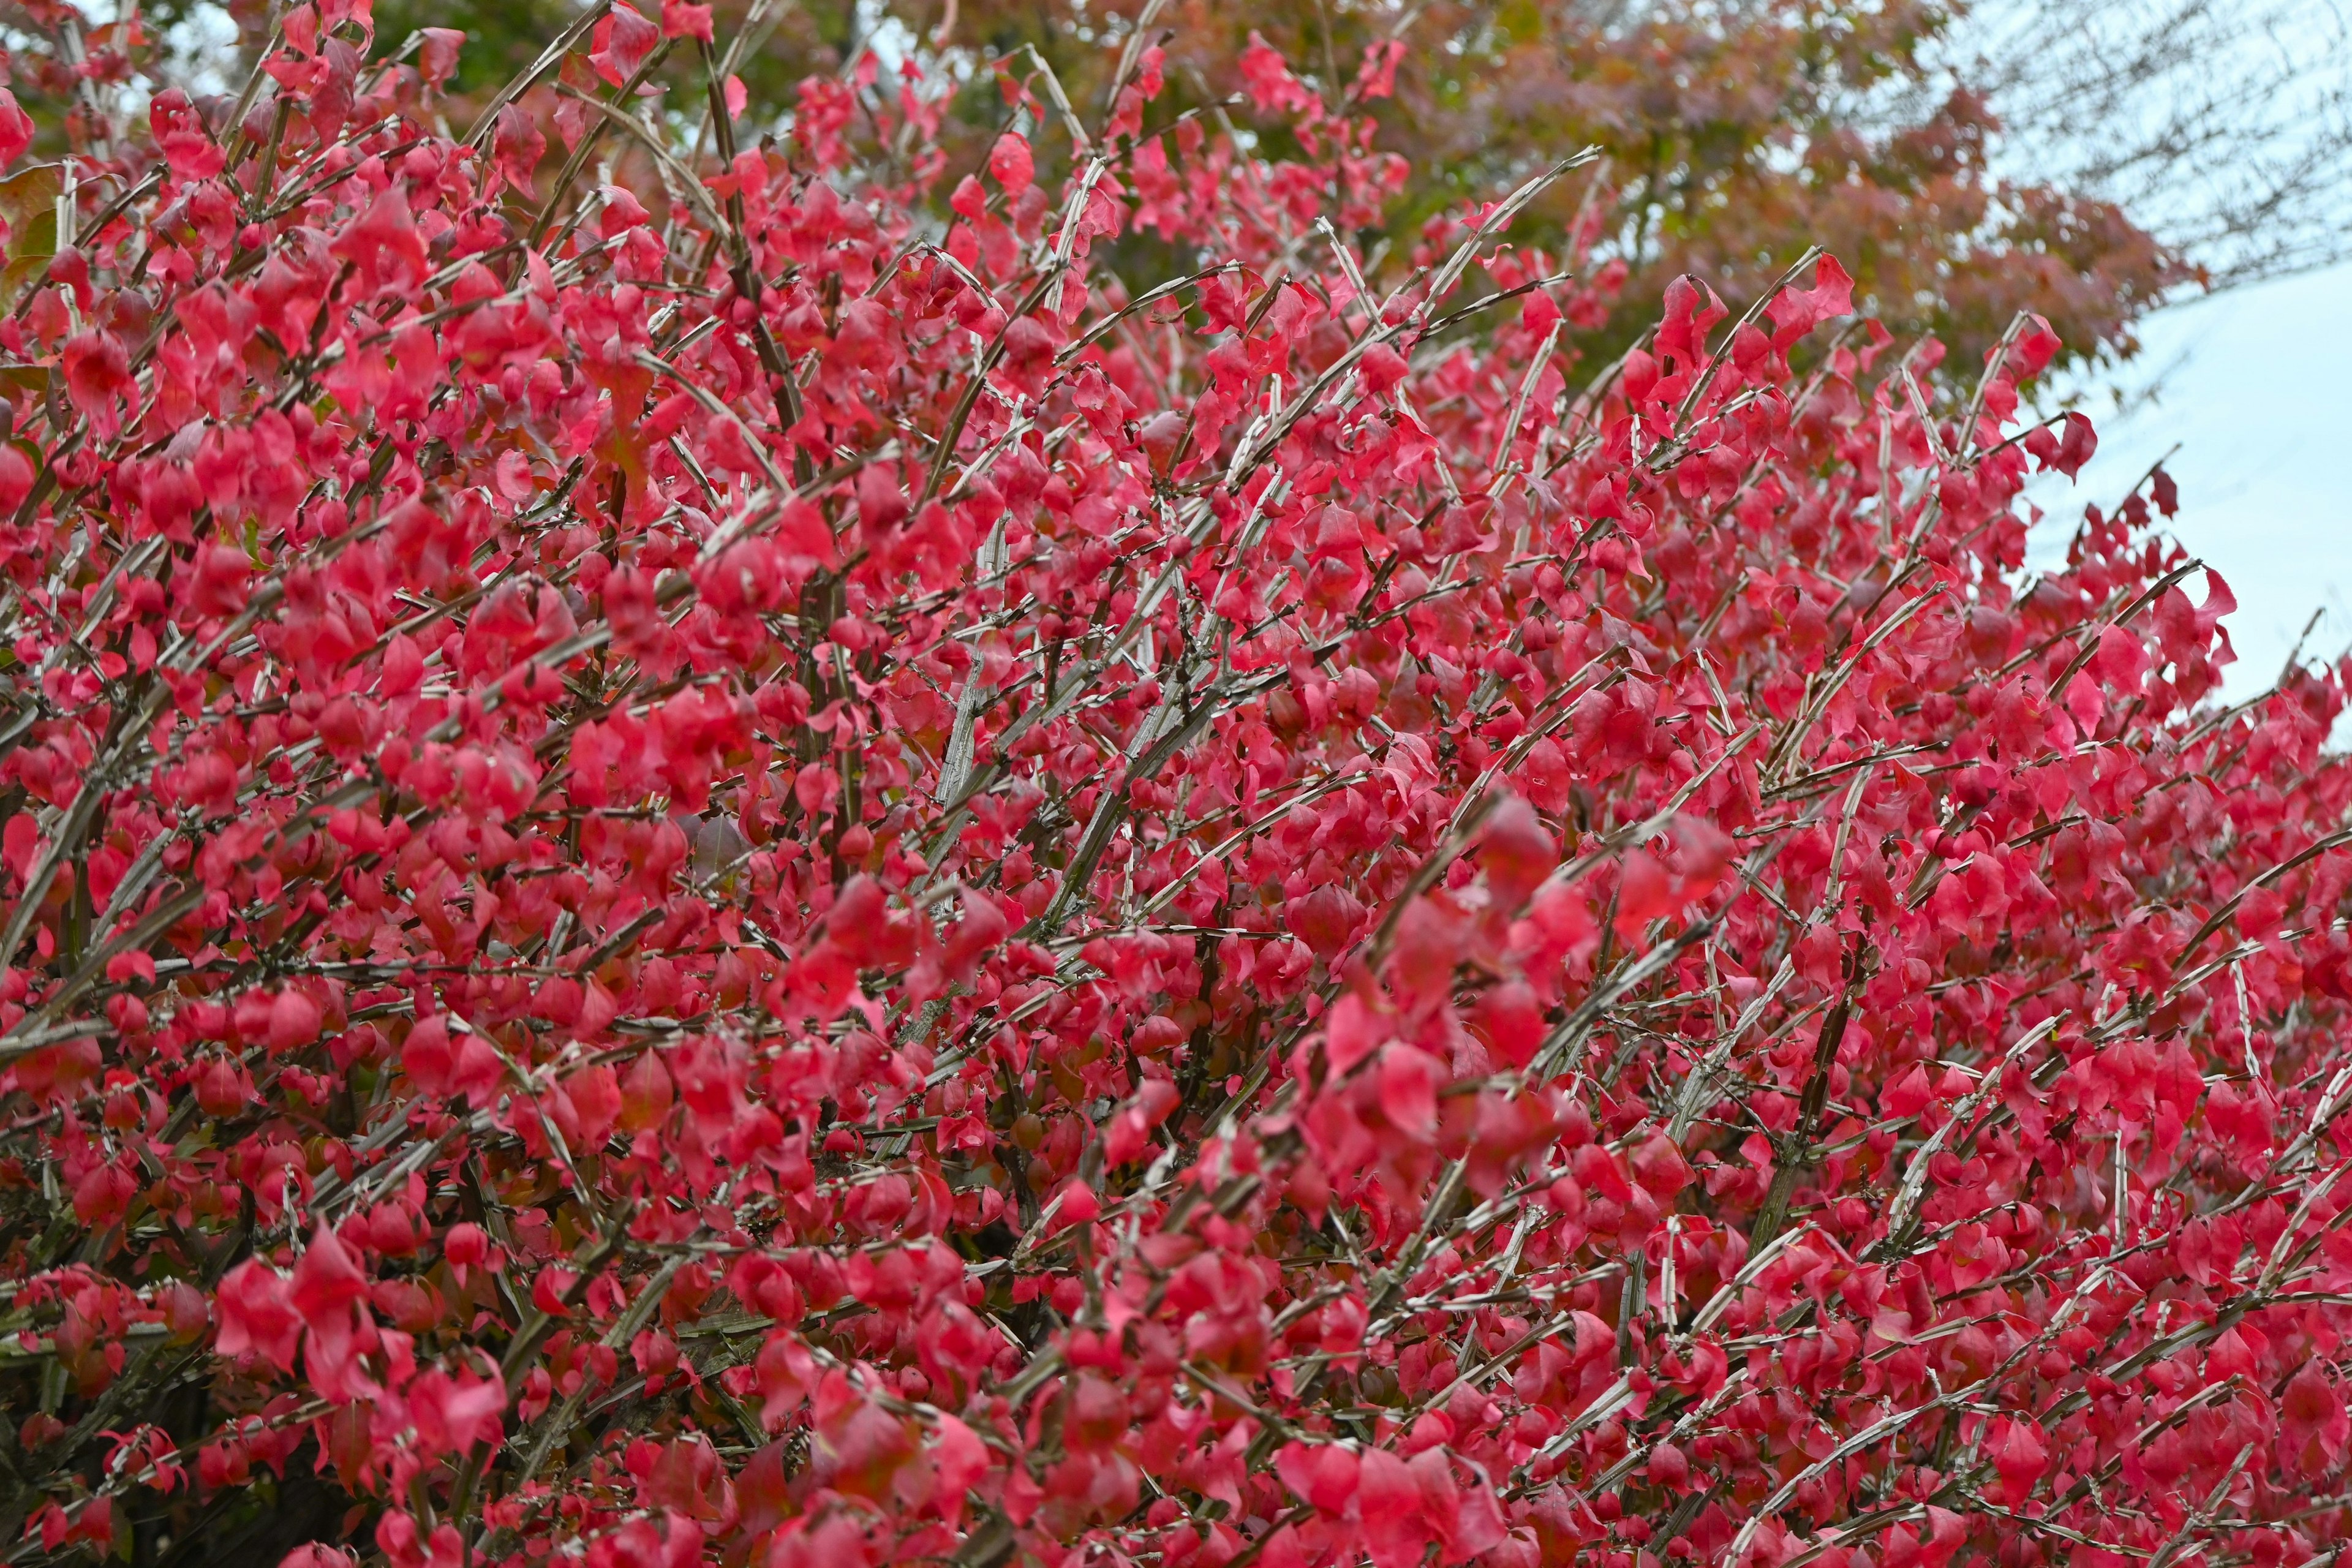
(1733, 136)
(703, 873)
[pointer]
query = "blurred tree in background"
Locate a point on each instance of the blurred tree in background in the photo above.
(1735, 135)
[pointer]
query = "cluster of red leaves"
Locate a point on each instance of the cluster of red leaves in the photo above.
(737, 881)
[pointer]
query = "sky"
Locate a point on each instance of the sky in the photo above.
(2252, 386)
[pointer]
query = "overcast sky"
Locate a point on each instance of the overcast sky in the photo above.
(2255, 392)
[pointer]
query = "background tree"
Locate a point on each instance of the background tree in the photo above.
(1735, 136)
(2082, 161)
(2225, 129)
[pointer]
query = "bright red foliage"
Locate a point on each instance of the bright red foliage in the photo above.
(718, 879)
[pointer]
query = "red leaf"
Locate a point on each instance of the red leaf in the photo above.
(20, 844)
(1796, 312)
(1511, 1021)
(1079, 1205)
(294, 1020)
(1430, 938)
(97, 372)
(385, 245)
(451, 1414)
(1515, 852)
(327, 1280)
(439, 57)
(961, 1459)
(682, 20)
(1323, 1474)
(621, 43)
(1646, 893)
(257, 1315)
(2120, 660)
(517, 145)
(1408, 1080)
(1008, 160)
(2313, 1424)
(1271, 86)
(1326, 920)
(1354, 1032)
(16, 129)
(2020, 1456)
(982, 928)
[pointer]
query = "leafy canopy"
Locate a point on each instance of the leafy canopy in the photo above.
(698, 871)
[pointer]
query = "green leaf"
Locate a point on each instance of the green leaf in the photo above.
(28, 201)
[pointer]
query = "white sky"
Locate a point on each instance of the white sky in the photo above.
(2253, 390)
